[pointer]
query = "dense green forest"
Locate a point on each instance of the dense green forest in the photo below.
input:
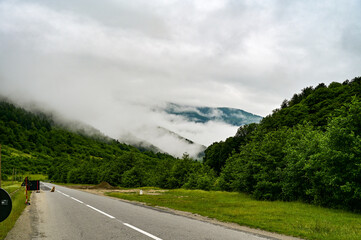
(307, 150)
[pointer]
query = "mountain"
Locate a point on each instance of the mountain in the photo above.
(231, 116)
(34, 143)
(183, 129)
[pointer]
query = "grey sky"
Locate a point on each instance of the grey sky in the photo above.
(108, 62)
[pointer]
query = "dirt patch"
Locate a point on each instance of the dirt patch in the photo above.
(102, 185)
(155, 192)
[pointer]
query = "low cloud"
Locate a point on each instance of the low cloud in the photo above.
(109, 63)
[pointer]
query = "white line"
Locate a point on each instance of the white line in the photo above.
(66, 195)
(110, 216)
(141, 231)
(76, 200)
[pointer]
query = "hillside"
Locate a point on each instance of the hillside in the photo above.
(32, 142)
(307, 150)
(165, 141)
(313, 105)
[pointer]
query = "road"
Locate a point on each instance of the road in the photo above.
(73, 214)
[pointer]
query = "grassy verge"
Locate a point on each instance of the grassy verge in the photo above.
(40, 177)
(18, 201)
(289, 218)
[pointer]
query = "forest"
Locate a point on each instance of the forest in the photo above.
(307, 150)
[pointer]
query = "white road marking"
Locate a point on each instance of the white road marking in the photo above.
(66, 195)
(106, 214)
(141, 231)
(76, 200)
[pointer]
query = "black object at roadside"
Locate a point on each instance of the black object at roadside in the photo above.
(32, 185)
(5, 204)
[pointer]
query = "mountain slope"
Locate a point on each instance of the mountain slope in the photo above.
(232, 116)
(166, 141)
(308, 150)
(313, 105)
(33, 143)
(180, 129)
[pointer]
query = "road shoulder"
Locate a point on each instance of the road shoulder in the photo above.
(26, 226)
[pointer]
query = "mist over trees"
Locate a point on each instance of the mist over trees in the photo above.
(34, 143)
(307, 150)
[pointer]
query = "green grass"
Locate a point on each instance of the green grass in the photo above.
(289, 218)
(10, 186)
(15, 153)
(40, 177)
(21, 177)
(18, 201)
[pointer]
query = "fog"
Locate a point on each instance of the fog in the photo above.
(109, 64)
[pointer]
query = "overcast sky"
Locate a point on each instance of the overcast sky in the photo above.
(108, 62)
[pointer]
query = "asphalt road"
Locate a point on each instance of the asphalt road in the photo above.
(72, 214)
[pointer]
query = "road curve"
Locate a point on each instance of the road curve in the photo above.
(72, 214)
